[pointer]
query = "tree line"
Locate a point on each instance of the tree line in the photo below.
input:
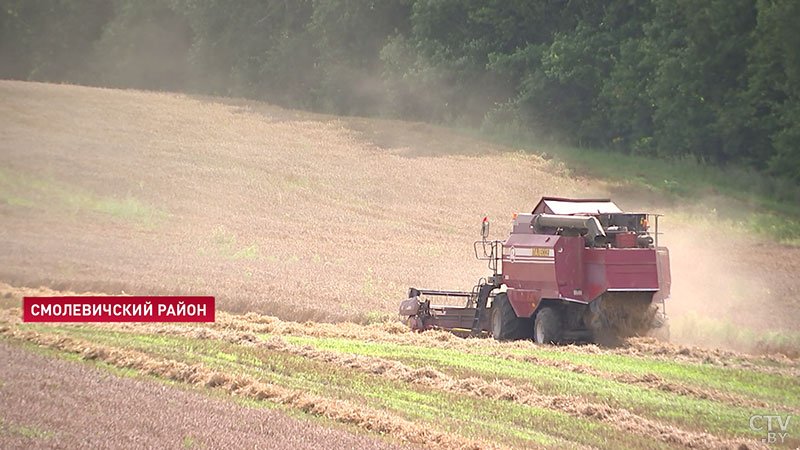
(716, 80)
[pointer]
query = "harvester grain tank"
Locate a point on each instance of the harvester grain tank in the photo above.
(571, 270)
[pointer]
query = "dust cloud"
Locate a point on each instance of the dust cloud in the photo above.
(729, 290)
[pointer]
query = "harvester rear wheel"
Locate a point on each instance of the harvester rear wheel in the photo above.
(505, 323)
(547, 325)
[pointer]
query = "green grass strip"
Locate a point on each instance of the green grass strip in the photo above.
(687, 412)
(771, 387)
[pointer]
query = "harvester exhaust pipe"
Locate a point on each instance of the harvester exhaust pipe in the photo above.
(590, 224)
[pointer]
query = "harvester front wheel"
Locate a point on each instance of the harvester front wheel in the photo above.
(505, 323)
(547, 325)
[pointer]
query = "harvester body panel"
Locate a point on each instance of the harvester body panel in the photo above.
(620, 270)
(664, 275)
(560, 267)
(529, 270)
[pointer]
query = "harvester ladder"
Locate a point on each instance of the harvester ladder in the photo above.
(480, 307)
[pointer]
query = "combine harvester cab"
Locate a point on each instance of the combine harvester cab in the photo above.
(572, 270)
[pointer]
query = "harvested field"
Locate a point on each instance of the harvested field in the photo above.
(308, 229)
(51, 403)
(467, 393)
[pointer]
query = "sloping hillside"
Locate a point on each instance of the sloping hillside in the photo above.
(303, 216)
(263, 207)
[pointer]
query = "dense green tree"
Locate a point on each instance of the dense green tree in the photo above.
(50, 40)
(250, 48)
(348, 37)
(773, 93)
(145, 45)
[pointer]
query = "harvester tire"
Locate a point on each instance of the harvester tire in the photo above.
(547, 325)
(505, 323)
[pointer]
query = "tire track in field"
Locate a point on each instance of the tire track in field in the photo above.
(246, 386)
(620, 419)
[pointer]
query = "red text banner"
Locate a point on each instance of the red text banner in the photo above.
(118, 309)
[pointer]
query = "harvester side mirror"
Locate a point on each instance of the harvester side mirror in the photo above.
(485, 228)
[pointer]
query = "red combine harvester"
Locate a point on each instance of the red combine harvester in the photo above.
(572, 270)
